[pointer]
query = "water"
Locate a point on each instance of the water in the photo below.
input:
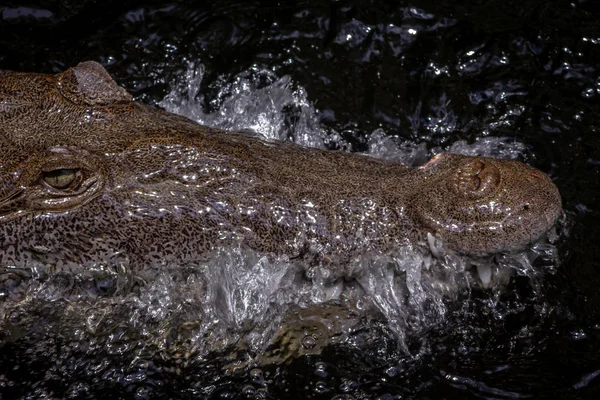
(397, 81)
(256, 100)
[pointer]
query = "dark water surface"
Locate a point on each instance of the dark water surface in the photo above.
(431, 72)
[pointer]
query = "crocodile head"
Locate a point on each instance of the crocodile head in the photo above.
(93, 183)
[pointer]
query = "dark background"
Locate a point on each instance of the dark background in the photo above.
(526, 70)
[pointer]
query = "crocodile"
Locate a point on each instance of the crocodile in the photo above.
(90, 178)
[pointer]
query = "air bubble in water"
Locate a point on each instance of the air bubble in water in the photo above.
(309, 342)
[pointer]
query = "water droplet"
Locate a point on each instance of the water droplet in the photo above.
(143, 392)
(587, 93)
(579, 335)
(321, 369)
(321, 387)
(309, 342)
(256, 375)
(348, 385)
(360, 304)
(75, 391)
(227, 395)
(249, 391)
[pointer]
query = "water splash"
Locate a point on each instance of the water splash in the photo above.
(275, 108)
(243, 301)
(255, 100)
(393, 148)
(497, 147)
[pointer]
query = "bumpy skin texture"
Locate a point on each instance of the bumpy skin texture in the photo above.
(152, 188)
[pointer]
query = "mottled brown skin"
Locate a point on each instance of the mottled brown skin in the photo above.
(153, 188)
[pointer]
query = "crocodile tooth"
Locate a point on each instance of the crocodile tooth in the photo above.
(485, 274)
(434, 245)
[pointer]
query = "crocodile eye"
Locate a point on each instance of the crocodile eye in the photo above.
(62, 178)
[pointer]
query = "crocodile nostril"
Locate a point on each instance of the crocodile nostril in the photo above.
(476, 182)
